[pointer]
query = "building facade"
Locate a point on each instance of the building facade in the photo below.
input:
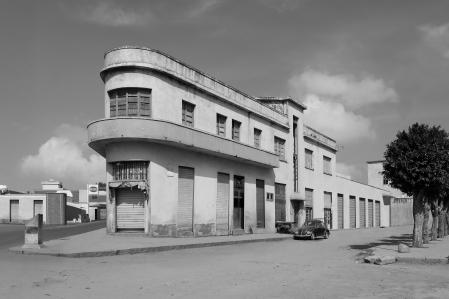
(188, 155)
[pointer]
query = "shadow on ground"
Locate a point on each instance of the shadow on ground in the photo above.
(393, 240)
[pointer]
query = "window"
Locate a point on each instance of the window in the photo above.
(279, 147)
(309, 213)
(309, 159)
(385, 181)
(309, 195)
(187, 113)
(130, 102)
(309, 204)
(135, 170)
(257, 134)
(327, 165)
(221, 125)
(236, 130)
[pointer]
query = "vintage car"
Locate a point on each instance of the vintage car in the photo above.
(312, 229)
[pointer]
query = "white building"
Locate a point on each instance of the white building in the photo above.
(188, 155)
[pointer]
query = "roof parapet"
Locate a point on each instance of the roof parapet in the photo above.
(319, 137)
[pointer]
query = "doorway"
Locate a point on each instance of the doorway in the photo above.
(239, 202)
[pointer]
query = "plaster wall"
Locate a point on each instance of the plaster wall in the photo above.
(167, 97)
(351, 188)
(317, 180)
(163, 177)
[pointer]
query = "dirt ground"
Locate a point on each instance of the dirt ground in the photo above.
(283, 269)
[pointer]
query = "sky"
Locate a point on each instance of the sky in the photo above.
(365, 70)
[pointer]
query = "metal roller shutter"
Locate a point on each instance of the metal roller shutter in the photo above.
(340, 211)
(352, 211)
(279, 202)
(185, 199)
(222, 204)
(370, 213)
(14, 210)
(260, 203)
(377, 213)
(130, 209)
(38, 207)
(362, 208)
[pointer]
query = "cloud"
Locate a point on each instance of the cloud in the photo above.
(333, 100)
(66, 157)
(346, 89)
(282, 6)
(202, 7)
(437, 37)
(348, 170)
(333, 119)
(114, 15)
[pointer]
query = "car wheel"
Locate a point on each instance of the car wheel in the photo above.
(326, 235)
(312, 236)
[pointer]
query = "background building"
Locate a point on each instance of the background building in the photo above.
(16, 207)
(400, 204)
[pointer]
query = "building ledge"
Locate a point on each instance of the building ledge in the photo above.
(125, 129)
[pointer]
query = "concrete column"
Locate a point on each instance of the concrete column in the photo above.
(111, 211)
(33, 232)
(147, 207)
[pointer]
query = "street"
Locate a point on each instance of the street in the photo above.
(13, 234)
(283, 269)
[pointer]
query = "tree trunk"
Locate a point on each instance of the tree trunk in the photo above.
(425, 225)
(445, 212)
(434, 231)
(418, 218)
(446, 226)
(441, 228)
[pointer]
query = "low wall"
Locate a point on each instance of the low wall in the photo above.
(401, 211)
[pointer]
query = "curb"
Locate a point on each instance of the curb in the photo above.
(425, 260)
(20, 250)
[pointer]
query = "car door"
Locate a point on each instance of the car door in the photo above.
(321, 228)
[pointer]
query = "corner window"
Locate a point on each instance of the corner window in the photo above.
(130, 102)
(279, 147)
(327, 165)
(236, 130)
(309, 159)
(221, 125)
(257, 135)
(128, 171)
(187, 113)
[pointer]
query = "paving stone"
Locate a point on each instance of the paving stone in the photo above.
(385, 260)
(371, 259)
(402, 248)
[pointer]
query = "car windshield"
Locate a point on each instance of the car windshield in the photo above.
(311, 223)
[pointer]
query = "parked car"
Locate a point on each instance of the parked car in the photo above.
(312, 229)
(284, 227)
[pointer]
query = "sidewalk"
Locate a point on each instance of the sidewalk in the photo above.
(98, 243)
(436, 252)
